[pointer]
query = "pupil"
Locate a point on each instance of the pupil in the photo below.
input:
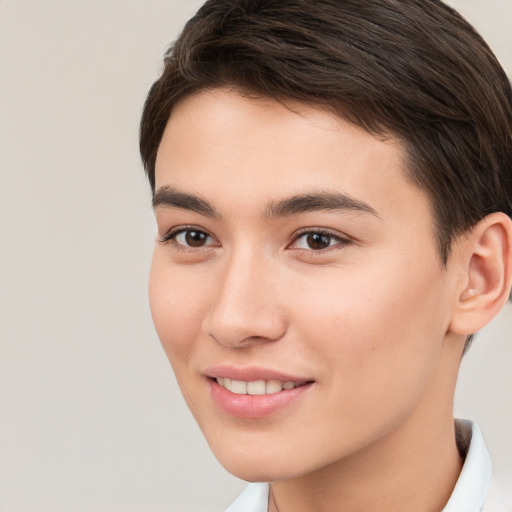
(195, 238)
(318, 241)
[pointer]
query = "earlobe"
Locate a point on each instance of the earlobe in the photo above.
(488, 274)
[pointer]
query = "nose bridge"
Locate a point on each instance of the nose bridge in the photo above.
(245, 308)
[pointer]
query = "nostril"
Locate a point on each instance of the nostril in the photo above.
(239, 340)
(245, 326)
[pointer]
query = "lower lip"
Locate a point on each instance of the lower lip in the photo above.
(255, 406)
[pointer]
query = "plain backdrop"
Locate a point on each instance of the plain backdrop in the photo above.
(90, 416)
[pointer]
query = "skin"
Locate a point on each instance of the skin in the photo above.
(367, 318)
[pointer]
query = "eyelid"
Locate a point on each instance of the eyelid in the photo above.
(173, 232)
(342, 239)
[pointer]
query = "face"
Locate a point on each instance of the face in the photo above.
(295, 284)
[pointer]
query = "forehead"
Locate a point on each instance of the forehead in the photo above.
(218, 142)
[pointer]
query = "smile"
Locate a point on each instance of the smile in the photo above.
(256, 387)
(256, 399)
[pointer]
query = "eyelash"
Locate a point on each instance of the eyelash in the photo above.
(340, 241)
(171, 236)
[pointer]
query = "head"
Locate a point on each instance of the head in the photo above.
(413, 90)
(415, 70)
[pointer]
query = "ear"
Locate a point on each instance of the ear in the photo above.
(487, 274)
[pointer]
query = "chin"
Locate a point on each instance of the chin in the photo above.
(257, 472)
(260, 464)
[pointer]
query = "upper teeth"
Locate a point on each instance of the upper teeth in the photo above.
(257, 387)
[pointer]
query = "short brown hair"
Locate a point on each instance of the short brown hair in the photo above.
(411, 68)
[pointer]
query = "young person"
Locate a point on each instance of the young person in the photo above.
(332, 183)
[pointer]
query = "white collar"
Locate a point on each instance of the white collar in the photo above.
(468, 496)
(471, 488)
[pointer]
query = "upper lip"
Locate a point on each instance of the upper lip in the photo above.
(252, 373)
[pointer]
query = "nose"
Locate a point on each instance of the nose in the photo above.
(245, 309)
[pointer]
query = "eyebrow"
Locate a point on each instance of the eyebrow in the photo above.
(302, 203)
(317, 202)
(167, 196)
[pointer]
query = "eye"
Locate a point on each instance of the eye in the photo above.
(189, 237)
(317, 241)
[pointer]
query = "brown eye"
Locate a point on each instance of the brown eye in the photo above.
(318, 241)
(195, 238)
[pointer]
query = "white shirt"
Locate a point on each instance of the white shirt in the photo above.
(472, 493)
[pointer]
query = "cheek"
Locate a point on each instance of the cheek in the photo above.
(375, 325)
(176, 307)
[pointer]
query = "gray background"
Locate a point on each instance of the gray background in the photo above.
(90, 415)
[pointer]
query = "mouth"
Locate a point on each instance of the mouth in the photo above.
(260, 395)
(257, 387)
